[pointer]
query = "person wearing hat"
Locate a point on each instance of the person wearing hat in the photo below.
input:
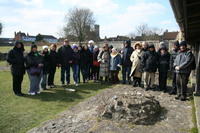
(46, 63)
(75, 64)
(34, 65)
(174, 53)
(136, 61)
(149, 65)
(115, 62)
(126, 62)
(183, 65)
(16, 60)
(65, 61)
(163, 66)
(104, 59)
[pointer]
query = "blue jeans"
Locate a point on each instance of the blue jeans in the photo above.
(65, 70)
(75, 69)
(34, 82)
(126, 70)
(44, 81)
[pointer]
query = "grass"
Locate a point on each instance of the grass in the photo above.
(194, 120)
(5, 49)
(19, 114)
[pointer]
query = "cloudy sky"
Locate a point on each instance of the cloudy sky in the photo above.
(115, 17)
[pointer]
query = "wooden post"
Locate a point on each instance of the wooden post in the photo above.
(197, 87)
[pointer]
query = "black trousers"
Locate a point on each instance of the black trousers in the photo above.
(136, 81)
(96, 72)
(174, 87)
(114, 76)
(17, 82)
(51, 75)
(163, 80)
(182, 81)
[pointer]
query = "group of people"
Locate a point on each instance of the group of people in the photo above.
(103, 65)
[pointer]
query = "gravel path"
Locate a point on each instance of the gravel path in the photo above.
(82, 118)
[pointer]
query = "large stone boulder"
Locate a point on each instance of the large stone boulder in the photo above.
(132, 107)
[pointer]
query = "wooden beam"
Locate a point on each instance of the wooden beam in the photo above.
(193, 4)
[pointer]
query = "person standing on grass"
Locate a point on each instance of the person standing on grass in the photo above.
(163, 66)
(16, 60)
(183, 64)
(115, 62)
(75, 63)
(136, 61)
(174, 53)
(45, 71)
(65, 53)
(34, 66)
(104, 59)
(53, 62)
(126, 62)
(96, 64)
(85, 62)
(149, 65)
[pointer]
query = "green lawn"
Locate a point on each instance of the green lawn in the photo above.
(5, 49)
(19, 114)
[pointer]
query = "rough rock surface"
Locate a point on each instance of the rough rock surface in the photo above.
(131, 107)
(175, 116)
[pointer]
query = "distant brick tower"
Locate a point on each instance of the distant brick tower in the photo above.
(97, 32)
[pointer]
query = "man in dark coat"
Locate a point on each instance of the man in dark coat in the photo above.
(53, 61)
(174, 53)
(163, 67)
(183, 65)
(16, 60)
(149, 65)
(65, 56)
(126, 62)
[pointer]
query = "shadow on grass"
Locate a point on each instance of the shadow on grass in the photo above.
(60, 94)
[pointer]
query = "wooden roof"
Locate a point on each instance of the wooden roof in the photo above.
(187, 14)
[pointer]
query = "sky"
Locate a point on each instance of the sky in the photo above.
(115, 17)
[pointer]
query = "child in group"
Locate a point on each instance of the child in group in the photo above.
(115, 61)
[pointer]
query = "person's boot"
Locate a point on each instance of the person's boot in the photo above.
(183, 98)
(173, 92)
(177, 97)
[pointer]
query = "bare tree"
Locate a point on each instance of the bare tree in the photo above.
(148, 33)
(1, 27)
(79, 20)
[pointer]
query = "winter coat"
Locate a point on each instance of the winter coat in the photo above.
(33, 59)
(85, 57)
(174, 53)
(46, 62)
(136, 61)
(163, 62)
(104, 59)
(53, 58)
(95, 60)
(115, 61)
(65, 55)
(149, 61)
(126, 54)
(17, 61)
(76, 58)
(184, 60)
